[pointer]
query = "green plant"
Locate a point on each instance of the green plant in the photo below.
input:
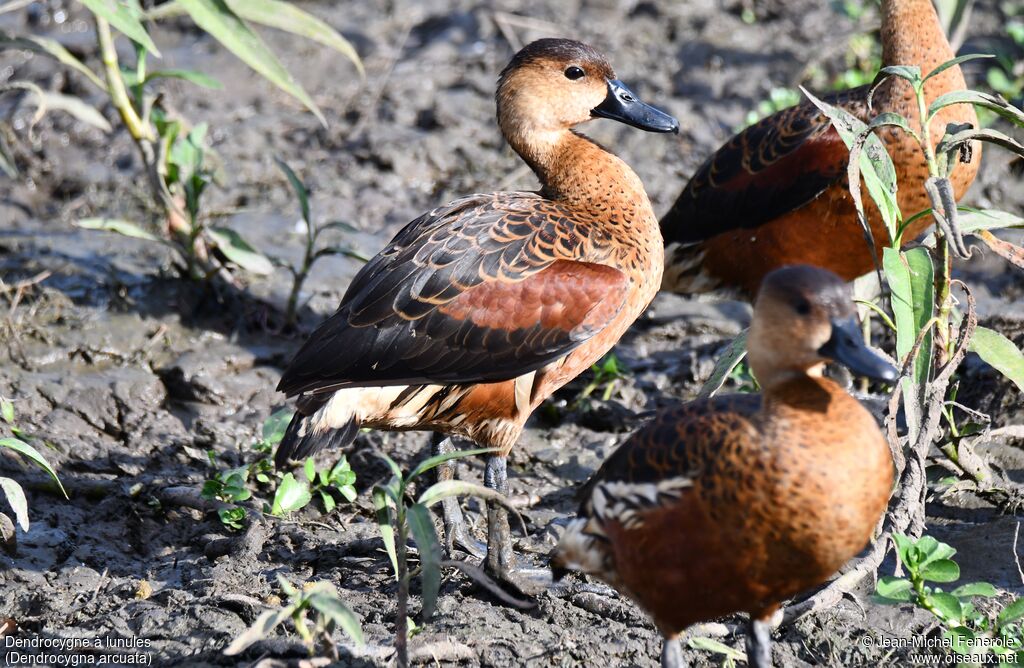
(313, 251)
(932, 334)
(729, 655)
(607, 373)
(290, 493)
(173, 154)
(13, 492)
(968, 631)
(320, 599)
(399, 517)
(778, 99)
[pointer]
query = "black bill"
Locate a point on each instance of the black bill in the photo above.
(624, 106)
(848, 348)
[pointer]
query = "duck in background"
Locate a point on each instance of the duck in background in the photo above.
(736, 503)
(478, 311)
(776, 194)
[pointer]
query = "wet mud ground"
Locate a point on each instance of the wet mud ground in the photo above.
(131, 376)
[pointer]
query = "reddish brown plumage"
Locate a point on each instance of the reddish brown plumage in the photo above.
(480, 309)
(776, 194)
(737, 503)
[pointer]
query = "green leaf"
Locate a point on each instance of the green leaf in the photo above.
(395, 470)
(54, 49)
(724, 365)
(49, 101)
(349, 492)
(260, 630)
(954, 62)
(122, 227)
(286, 16)
(310, 469)
(972, 220)
(299, 187)
(198, 78)
(24, 448)
(387, 529)
(454, 488)
(903, 549)
(237, 250)
(873, 165)
(933, 550)
(962, 639)
(993, 103)
(941, 570)
(974, 589)
(329, 502)
(437, 460)
(291, 495)
(1000, 353)
(125, 16)
(276, 425)
(948, 606)
(894, 588)
(7, 410)
(953, 142)
(911, 73)
(330, 605)
(1011, 613)
(910, 276)
(16, 497)
(715, 647)
(217, 18)
(425, 535)
(890, 119)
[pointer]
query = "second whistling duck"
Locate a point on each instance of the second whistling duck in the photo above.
(776, 194)
(478, 311)
(736, 503)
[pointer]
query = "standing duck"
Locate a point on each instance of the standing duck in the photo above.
(478, 311)
(776, 193)
(735, 503)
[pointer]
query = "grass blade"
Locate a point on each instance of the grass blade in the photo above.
(259, 630)
(125, 16)
(198, 78)
(24, 448)
(216, 18)
(425, 535)
(286, 16)
(328, 603)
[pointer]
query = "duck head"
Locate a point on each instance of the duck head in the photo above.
(803, 317)
(553, 84)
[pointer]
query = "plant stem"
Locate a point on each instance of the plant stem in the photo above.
(402, 621)
(300, 276)
(115, 84)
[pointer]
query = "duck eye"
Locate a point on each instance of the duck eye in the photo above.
(803, 307)
(574, 72)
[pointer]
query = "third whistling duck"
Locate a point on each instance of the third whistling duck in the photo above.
(736, 503)
(776, 193)
(478, 311)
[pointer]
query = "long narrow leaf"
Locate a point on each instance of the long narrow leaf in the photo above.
(874, 165)
(454, 488)
(993, 103)
(286, 16)
(724, 365)
(192, 76)
(386, 525)
(217, 18)
(425, 535)
(238, 250)
(24, 448)
(298, 186)
(52, 48)
(16, 497)
(437, 460)
(330, 605)
(260, 629)
(1000, 353)
(125, 17)
(123, 227)
(954, 62)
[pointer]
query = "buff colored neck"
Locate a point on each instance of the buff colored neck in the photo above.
(576, 171)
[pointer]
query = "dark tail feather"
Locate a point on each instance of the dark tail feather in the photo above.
(301, 441)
